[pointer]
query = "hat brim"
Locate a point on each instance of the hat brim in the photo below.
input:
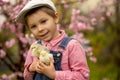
(21, 17)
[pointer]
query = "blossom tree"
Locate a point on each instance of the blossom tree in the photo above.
(14, 43)
(76, 23)
(105, 20)
(102, 21)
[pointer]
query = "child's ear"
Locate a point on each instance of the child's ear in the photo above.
(56, 17)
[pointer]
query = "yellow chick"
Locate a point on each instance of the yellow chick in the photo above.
(45, 57)
(41, 52)
(36, 49)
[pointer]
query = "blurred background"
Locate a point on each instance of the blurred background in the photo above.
(95, 23)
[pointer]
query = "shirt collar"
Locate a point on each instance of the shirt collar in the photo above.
(57, 39)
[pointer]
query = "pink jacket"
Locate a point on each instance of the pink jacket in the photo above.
(74, 64)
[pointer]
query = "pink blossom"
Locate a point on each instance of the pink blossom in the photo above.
(12, 28)
(89, 54)
(93, 14)
(79, 37)
(5, 0)
(93, 59)
(93, 21)
(108, 13)
(19, 27)
(75, 13)
(2, 53)
(10, 43)
(84, 41)
(20, 74)
(77, 26)
(5, 25)
(82, 18)
(30, 38)
(97, 13)
(108, 2)
(102, 19)
(4, 76)
(81, 26)
(82, 0)
(22, 38)
(25, 54)
(65, 4)
(90, 28)
(12, 6)
(12, 76)
(88, 49)
(16, 11)
(73, 26)
(1, 3)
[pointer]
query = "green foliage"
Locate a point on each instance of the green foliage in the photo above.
(12, 52)
(5, 35)
(101, 72)
(69, 32)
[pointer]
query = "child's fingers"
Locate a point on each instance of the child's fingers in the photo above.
(40, 67)
(38, 70)
(41, 64)
(52, 60)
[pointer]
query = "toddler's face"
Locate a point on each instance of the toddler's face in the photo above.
(42, 25)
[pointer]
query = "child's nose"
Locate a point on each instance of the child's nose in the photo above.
(40, 28)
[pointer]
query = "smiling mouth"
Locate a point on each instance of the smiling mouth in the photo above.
(44, 34)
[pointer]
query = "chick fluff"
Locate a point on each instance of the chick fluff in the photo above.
(41, 52)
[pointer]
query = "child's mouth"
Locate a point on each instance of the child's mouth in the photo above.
(43, 35)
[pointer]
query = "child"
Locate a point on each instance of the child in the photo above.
(41, 17)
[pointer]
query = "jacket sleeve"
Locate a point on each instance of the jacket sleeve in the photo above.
(78, 68)
(27, 74)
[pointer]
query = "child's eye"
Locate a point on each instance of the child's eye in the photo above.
(33, 26)
(43, 21)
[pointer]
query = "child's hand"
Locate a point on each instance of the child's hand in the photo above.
(42, 68)
(47, 70)
(34, 66)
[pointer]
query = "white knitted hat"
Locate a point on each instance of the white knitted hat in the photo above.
(33, 4)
